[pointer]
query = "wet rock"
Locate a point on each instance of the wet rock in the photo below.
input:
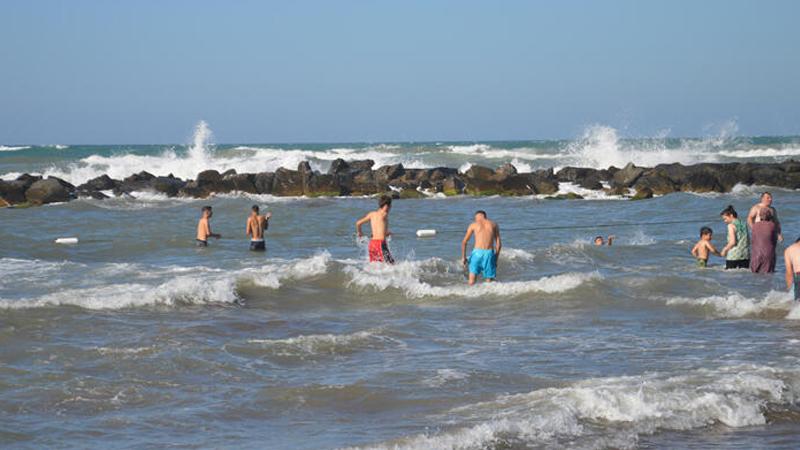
(263, 182)
(643, 193)
(323, 185)
(97, 195)
(627, 176)
(141, 181)
(228, 173)
(479, 173)
(242, 182)
(657, 181)
(101, 183)
(505, 171)
(51, 190)
(389, 173)
(13, 192)
(169, 186)
(518, 184)
(338, 166)
(287, 183)
(361, 164)
(411, 193)
(567, 196)
(544, 182)
(453, 185)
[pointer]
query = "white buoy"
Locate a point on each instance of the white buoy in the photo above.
(426, 233)
(67, 241)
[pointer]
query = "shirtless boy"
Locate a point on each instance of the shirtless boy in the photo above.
(204, 228)
(483, 259)
(791, 257)
(256, 224)
(379, 222)
(703, 247)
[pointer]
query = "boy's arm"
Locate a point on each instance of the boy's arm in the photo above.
(464, 243)
(360, 222)
(712, 249)
(695, 249)
(611, 240)
(789, 270)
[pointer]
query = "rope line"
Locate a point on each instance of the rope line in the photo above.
(580, 227)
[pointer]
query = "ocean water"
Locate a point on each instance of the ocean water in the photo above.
(135, 338)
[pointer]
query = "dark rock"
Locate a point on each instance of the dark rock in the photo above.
(243, 182)
(13, 192)
(544, 182)
(304, 167)
(567, 196)
(701, 182)
(389, 173)
(97, 195)
(326, 185)
(591, 182)
(27, 180)
(453, 185)
(411, 193)
(208, 177)
(627, 176)
(51, 190)
(193, 189)
(101, 183)
(518, 184)
(618, 191)
(228, 173)
(263, 182)
(643, 193)
(361, 164)
(170, 186)
(657, 181)
(505, 171)
(141, 181)
(338, 166)
(287, 183)
(576, 174)
(479, 173)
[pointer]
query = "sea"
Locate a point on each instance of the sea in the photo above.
(135, 338)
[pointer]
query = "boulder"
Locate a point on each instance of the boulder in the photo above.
(323, 185)
(567, 196)
(51, 190)
(263, 182)
(242, 182)
(591, 182)
(287, 183)
(13, 192)
(479, 173)
(228, 173)
(338, 166)
(97, 195)
(141, 181)
(518, 184)
(210, 182)
(627, 176)
(411, 193)
(643, 193)
(544, 182)
(170, 186)
(101, 183)
(576, 174)
(389, 173)
(361, 164)
(657, 181)
(701, 182)
(505, 171)
(453, 185)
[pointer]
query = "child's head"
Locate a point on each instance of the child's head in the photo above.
(706, 233)
(598, 240)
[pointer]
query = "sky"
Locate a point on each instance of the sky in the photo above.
(106, 72)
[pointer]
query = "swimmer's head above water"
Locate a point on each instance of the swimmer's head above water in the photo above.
(206, 212)
(599, 241)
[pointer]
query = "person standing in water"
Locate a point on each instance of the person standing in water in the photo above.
(737, 250)
(483, 259)
(764, 239)
(256, 225)
(204, 228)
(792, 258)
(754, 216)
(379, 222)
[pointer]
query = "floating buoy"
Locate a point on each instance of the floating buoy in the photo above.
(426, 233)
(67, 241)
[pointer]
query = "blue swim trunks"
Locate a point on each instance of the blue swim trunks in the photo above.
(483, 261)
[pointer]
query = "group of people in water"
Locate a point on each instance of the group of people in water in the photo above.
(754, 249)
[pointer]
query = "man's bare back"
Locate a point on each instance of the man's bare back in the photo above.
(378, 223)
(256, 225)
(791, 257)
(484, 232)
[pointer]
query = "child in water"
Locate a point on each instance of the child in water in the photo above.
(599, 241)
(704, 247)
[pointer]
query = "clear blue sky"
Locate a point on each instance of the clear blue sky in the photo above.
(100, 71)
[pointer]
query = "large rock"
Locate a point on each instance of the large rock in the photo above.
(338, 166)
(101, 183)
(51, 190)
(453, 185)
(657, 181)
(479, 173)
(263, 182)
(518, 184)
(212, 182)
(323, 185)
(643, 193)
(388, 173)
(287, 183)
(169, 186)
(13, 192)
(242, 182)
(141, 181)
(505, 171)
(627, 176)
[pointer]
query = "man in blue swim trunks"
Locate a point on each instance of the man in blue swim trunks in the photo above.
(483, 259)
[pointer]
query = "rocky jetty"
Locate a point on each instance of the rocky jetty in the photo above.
(359, 178)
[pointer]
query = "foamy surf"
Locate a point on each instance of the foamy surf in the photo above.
(736, 305)
(628, 408)
(324, 344)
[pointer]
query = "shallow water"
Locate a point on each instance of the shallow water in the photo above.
(135, 338)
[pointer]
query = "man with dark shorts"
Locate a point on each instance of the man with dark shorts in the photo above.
(379, 222)
(204, 228)
(256, 225)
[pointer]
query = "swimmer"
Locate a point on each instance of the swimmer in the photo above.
(704, 247)
(379, 222)
(256, 225)
(204, 228)
(599, 241)
(483, 259)
(756, 213)
(791, 257)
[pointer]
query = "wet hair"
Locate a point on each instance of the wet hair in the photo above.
(481, 212)
(255, 208)
(706, 230)
(596, 238)
(766, 193)
(206, 208)
(384, 200)
(729, 211)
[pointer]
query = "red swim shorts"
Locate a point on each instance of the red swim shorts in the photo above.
(379, 251)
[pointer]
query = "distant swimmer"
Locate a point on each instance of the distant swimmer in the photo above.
(204, 228)
(483, 259)
(757, 212)
(256, 225)
(379, 222)
(599, 241)
(792, 258)
(704, 246)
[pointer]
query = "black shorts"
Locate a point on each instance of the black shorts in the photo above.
(258, 246)
(737, 264)
(200, 243)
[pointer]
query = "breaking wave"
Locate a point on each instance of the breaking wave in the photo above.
(735, 305)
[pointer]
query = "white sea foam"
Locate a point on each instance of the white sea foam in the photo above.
(10, 148)
(515, 254)
(406, 276)
(272, 276)
(324, 344)
(629, 407)
(735, 304)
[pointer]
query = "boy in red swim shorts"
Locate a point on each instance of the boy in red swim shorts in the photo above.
(379, 222)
